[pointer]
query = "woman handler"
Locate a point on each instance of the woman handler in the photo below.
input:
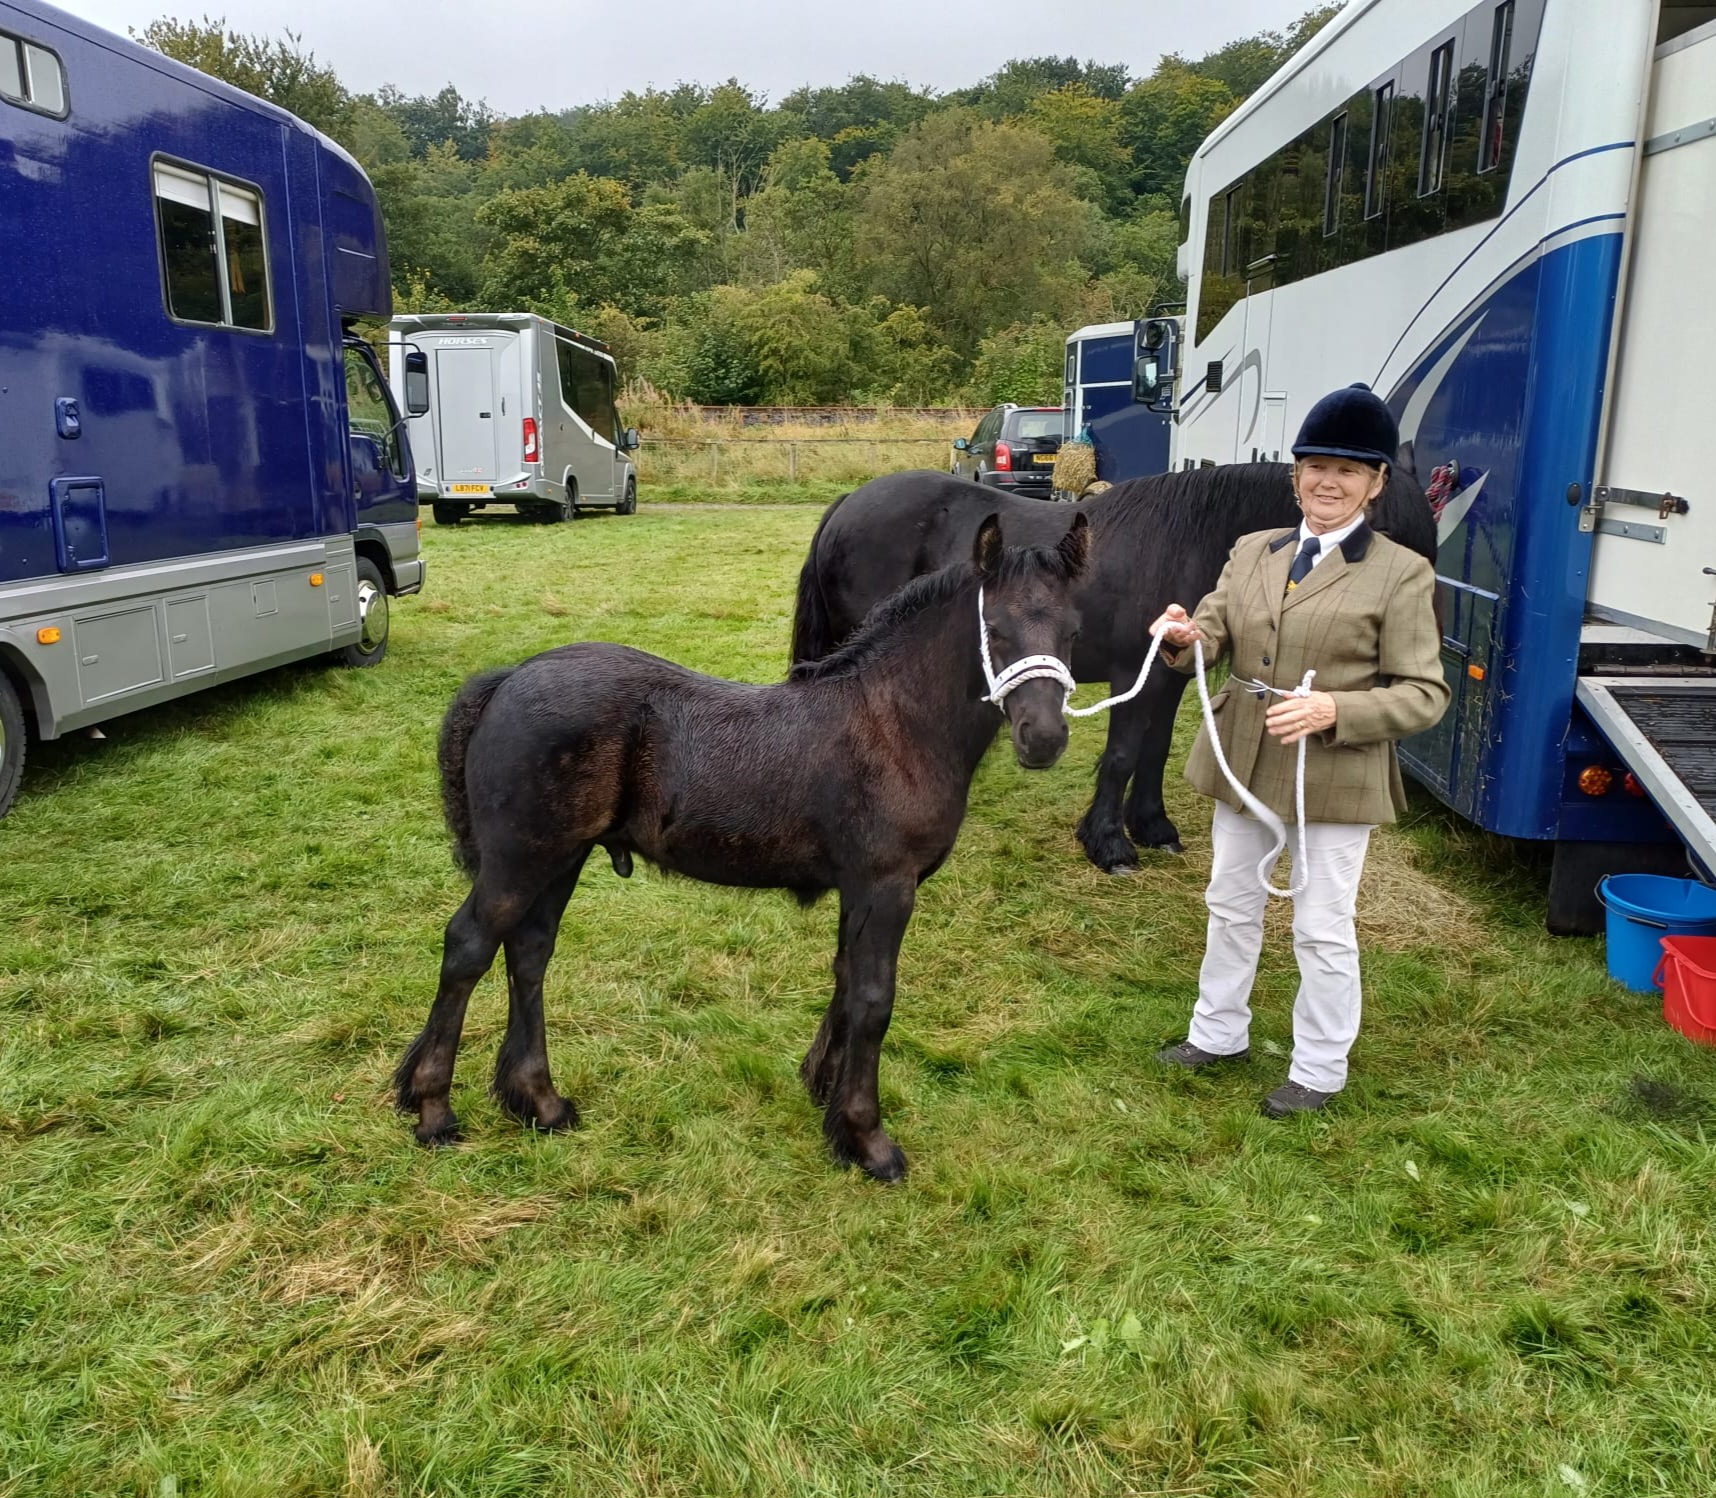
(1335, 597)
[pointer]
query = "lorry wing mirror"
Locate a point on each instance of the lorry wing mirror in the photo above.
(630, 441)
(1146, 380)
(1157, 366)
(416, 382)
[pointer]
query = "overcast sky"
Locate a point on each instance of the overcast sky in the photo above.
(535, 54)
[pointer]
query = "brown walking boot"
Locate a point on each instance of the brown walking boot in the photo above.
(1190, 1058)
(1294, 1097)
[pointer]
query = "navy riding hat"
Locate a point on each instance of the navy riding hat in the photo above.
(1350, 423)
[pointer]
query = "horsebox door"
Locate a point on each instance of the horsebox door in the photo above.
(465, 388)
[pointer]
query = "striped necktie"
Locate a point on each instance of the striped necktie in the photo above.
(1303, 562)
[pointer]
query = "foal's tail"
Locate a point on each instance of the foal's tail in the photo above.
(456, 730)
(812, 625)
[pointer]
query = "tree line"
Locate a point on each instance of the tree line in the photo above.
(867, 242)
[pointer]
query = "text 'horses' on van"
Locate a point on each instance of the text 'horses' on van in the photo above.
(522, 411)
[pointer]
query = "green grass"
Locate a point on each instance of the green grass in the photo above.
(226, 1269)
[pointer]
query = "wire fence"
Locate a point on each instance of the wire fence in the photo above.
(827, 416)
(725, 461)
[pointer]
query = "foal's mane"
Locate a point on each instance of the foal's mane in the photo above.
(1180, 511)
(886, 619)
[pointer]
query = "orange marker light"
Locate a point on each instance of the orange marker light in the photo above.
(315, 579)
(1632, 785)
(1475, 672)
(1594, 780)
(48, 634)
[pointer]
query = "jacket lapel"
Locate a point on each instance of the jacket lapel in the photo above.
(1274, 565)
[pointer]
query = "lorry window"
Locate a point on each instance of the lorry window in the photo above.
(369, 412)
(1376, 176)
(246, 267)
(568, 374)
(1495, 89)
(1437, 100)
(11, 70)
(220, 279)
(32, 76)
(587, 387)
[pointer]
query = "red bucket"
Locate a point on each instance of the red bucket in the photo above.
(1687, 974)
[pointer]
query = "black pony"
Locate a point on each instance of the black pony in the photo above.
(1157, 541)
(852, 775)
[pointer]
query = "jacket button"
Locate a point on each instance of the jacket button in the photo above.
(1266, 660)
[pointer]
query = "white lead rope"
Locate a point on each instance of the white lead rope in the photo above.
(1040, 667)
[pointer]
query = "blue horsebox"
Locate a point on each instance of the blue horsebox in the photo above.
(203, 473)
(1131, 440)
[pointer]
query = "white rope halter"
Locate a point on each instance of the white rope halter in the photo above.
(1038, 667)
(1027, 668)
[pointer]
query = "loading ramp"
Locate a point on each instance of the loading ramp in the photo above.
(1664, 730)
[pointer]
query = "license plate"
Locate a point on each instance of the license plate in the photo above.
(1038, 459)
(469, 488)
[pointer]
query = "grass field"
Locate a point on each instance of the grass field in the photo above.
(226, 1269)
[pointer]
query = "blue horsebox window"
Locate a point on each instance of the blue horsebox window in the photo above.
(31, 75)
(213, 250)
(1106, 360)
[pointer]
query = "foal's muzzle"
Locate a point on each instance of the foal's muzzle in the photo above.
(1038, 725)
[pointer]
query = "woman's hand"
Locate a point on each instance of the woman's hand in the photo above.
(1176, 627)
(1295, 718)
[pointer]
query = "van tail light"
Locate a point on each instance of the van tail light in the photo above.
(531, 451)
(1003, 457)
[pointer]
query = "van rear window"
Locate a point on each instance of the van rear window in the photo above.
(219, 278)
(1037, 424)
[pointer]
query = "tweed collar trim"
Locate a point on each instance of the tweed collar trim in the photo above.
(1354, 547)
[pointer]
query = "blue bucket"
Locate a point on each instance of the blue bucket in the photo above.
(1644, 908)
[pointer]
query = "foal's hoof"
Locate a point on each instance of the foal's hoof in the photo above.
(551, 1114)
(561, 1122)
(878, 1156)
(890, 1168)
(435, 1133)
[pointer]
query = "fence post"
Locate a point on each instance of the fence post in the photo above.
(792, 462)
(714, 462)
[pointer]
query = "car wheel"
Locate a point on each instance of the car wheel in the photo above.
(628, 505)
(373, 612)
(12, 743)
(446, 514)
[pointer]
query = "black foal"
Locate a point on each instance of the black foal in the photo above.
(851, 775)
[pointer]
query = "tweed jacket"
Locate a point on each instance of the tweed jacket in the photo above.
(1365, 621)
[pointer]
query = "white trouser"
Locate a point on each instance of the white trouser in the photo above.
(1326, 1010)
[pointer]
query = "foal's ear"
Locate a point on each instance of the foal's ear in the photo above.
(986, 555)
(1074, 546)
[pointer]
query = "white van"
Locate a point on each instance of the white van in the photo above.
(521, 412)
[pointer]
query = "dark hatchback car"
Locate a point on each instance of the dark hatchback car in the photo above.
(1013, 448)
